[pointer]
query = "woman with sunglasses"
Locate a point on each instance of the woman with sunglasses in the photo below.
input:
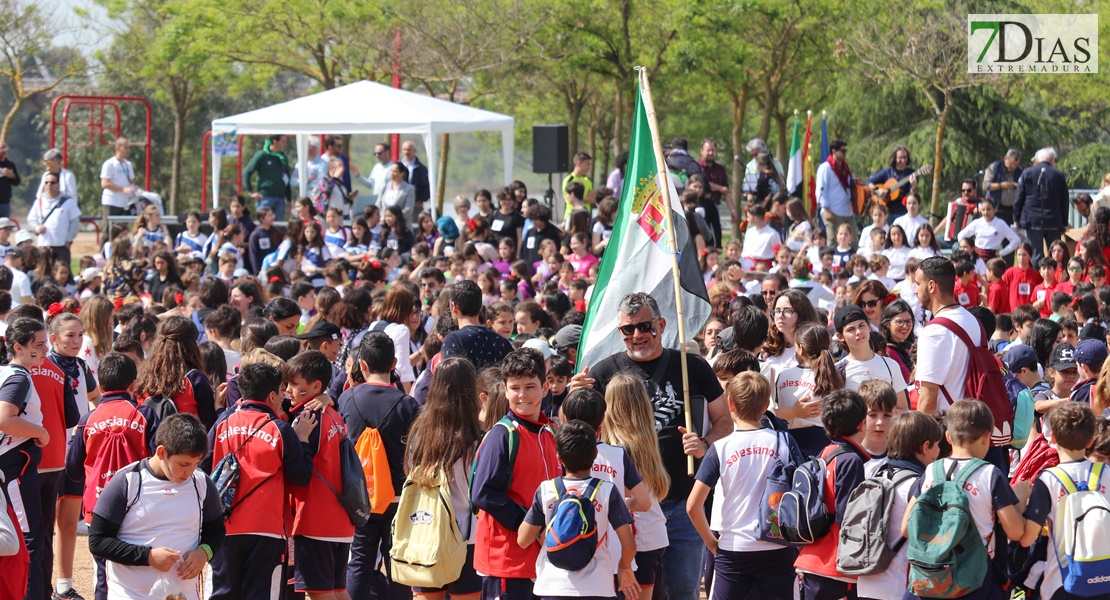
(871, 296)
(789, 310)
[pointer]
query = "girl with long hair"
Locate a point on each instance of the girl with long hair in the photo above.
(897, 251)
(398, 308)
(191, 241)
(289, 251)
(233, 237)
(426, 229)
(395, 231)
(1091, 252)
(603, 226)
(629, 423)
(217, 219)
(897, 327)
(336, 235)
(800, 233)
(789, 310)
(174, 369)
(124, 276)
(97, 321)
(165, 273)
(800, 389)
(441, 444)
(360, 239)
(1059, 252)
(925, 243)
(149, 229)
(315, 254)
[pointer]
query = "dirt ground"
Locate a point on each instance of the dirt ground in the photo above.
(84, 570)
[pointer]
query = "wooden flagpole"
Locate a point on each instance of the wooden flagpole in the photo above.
(672, 237)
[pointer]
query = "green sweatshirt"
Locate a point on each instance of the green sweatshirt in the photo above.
(273, 174)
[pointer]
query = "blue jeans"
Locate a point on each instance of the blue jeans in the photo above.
(273, 203)
(684, 560)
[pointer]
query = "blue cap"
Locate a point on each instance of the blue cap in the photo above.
(1091, 353)
(1019, 356)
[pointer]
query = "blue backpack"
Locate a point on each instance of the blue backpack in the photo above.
(1021, 399)
(571, 539)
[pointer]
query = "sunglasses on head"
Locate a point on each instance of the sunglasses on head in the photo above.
(631, 328)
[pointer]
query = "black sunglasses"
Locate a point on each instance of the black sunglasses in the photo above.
(631, 328)
(869, 303)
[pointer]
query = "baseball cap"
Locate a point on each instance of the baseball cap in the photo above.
(847, 315)
(15, 253)
(1063, 357)
(6, 223)
(1091, 353)
(90, 273)
(321, 329)
(568, 337)
(541, 346)
(241, 273)
(1019, 357)
(23, 236)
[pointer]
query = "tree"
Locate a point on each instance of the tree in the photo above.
(25, 35)
(923, 47)
(158, 42)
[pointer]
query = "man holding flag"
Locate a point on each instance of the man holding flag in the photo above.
(649, 279)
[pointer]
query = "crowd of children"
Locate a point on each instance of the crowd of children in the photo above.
(206, 408)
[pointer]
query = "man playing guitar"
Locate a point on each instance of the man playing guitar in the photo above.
(898, 170)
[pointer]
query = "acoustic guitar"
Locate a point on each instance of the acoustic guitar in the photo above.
(862, 192)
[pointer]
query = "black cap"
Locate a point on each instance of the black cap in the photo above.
(1063, 357)
(322, 329)
(848, 314)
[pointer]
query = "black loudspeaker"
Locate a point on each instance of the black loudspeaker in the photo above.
(549, 149)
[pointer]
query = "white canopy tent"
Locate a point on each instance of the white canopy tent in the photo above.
(366, 107)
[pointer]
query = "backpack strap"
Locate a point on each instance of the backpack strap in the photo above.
(1094, 476)
(959, 332)
(968, 470)
(900, 476)
(514, 441)
(592, 488)
(1065, 481)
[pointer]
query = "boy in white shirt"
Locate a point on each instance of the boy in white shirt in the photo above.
(990, 233)
(576, 446)
(879, 215)
(854, 331)
(737, 467)
(913, 444)
(1073, 429)
(759, 239)
(970, 423)
(881, 402)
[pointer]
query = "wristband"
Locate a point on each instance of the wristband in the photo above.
(704, 441)
(207, 551)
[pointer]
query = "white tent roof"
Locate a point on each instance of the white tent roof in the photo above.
(367, 107)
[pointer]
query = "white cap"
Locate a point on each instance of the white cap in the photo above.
(23, 235)
(6, 223)
(90, 273)
(538, 344)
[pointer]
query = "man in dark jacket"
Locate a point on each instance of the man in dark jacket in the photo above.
(418, 177)
(9, 178)
(679, 160)
(1041, 205)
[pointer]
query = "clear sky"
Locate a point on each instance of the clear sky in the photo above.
(88, 33)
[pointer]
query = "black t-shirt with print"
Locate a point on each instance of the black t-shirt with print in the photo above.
(666, 401)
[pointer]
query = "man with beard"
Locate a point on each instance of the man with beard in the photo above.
(640, 324)
(942, 358)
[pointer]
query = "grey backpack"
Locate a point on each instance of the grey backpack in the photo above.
(863, 549)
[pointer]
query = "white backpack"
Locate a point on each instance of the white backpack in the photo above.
(1082, 545)
(428, 550)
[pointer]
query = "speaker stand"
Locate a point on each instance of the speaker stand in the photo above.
(549, 195)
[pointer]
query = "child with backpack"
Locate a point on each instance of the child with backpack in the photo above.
(159, 521)
(322, 531)
(913, 444)
(954, 504)
(630, 424)
(879, 397)
(843, 413)
(378, 417)
(516, 456)
(736, 467)
(257, 458)
(441, 448)
(1072, 501)
(115, 434)
(574, 559)
(853, 331)
(1022, 374)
